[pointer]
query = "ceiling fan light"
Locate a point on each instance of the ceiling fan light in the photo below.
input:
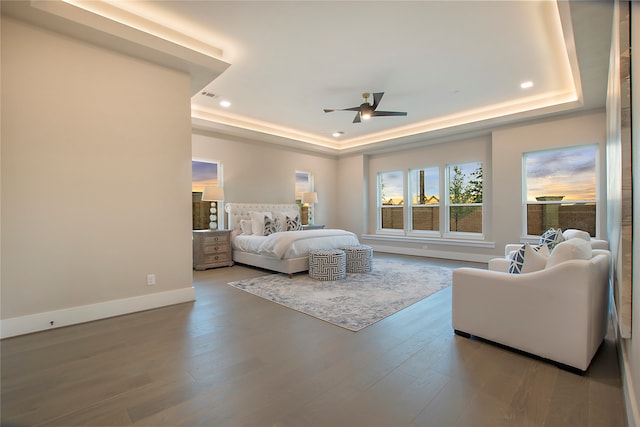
(365, 115)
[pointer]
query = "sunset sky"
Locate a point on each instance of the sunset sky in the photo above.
(203, 173)
(393, 181)
(567, 172)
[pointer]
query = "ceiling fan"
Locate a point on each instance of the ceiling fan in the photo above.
(366, 110)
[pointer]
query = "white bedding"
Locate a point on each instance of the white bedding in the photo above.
(292, 244)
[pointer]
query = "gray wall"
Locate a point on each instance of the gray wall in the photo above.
(96, 178)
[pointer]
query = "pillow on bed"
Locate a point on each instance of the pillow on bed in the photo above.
(293, 224)
(282, 218)
(257, 222)
(245, 226)
(271, 225)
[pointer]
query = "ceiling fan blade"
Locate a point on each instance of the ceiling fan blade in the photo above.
(327, 110)
(376, 99)
(356, 119)
(389, 113)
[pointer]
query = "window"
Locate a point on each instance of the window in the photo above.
(304, 184)
(560, 189)
(205, 213)
(464, 191)
(424, 191)
(391, 200)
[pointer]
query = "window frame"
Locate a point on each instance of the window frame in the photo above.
(525, 202)
(447, 232)
(298, 189)
(413, 182)
(380, 206)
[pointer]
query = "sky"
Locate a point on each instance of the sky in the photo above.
(393, 184)
(566, 172)
(203, 173)
(302, 184)
(569, 172)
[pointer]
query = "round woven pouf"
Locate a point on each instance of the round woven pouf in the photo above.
(359, 258)
(327, 264)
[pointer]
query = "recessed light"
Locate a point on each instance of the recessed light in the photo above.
(526, 85)
(224, 103)
(338, 134)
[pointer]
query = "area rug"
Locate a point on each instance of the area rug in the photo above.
(358, 301)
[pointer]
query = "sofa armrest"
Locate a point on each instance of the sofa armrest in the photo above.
(599, 244)
(508, 248)
(499, 264)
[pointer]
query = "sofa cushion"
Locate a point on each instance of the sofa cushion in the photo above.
(528, 259)
(552, 237)
(572, 233)
(568, 250)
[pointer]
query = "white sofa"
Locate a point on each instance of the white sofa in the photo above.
(557, 313)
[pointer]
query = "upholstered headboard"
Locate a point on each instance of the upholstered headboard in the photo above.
(238, 211)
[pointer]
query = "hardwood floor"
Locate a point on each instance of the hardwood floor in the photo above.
(234, 359)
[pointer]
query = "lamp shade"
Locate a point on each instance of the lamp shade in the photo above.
(310, 197)
(211, 193)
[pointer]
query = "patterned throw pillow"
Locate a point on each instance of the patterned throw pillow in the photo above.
(529, 258)
(293, 224)
(552, 237)
(271, 226)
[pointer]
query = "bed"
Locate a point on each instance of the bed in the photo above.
(282, 251)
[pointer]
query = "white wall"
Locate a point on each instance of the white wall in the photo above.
(256, 172)
(509, 145)
(96, 177)
(352, 200)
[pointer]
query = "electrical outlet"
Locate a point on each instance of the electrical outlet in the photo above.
(151, 279)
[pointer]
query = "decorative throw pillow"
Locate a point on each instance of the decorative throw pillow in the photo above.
(552, 237)
(568, 250)
(282, 217)
(529, 258)
(271, 226)
(245, 226)
(257, 222)
(293, 224)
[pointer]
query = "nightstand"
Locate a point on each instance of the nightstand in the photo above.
(313, 226)
(211, 248)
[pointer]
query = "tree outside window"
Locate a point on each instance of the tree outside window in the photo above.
(465, 197)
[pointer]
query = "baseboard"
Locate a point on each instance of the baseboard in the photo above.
(458, 256)
(86, 313)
